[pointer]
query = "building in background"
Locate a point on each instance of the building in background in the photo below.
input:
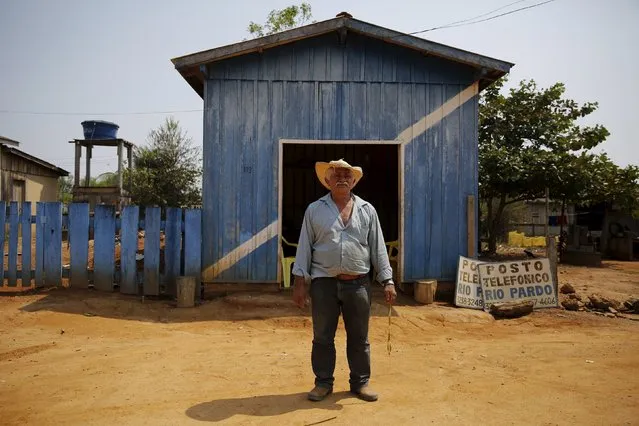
(24, 177)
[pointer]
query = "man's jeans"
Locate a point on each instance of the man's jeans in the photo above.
(329, 297)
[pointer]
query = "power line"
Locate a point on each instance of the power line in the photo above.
(472, 21)
(480, 16)
(7, 111)
(461, 23)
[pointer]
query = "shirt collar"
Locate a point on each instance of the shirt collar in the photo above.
(358, 201)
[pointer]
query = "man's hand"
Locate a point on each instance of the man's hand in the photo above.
(390, 293)
(299, 292)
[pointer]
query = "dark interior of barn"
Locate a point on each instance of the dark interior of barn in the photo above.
(379, 185)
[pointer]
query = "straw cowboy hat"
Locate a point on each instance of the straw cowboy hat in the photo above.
(321, 168)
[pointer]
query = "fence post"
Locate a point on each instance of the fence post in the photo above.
(152, 218)
(104, 247)
(13, 244)
(172, 248)
(129, 247)
(79, 244)
(52, 249)
(25, 222)
(3, 220)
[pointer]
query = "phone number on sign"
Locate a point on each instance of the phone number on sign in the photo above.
(466, 301)
(546, 301)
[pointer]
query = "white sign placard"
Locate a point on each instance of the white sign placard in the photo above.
(518, 280)
(468, 291)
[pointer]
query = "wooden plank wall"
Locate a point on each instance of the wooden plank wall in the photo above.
(134, 273)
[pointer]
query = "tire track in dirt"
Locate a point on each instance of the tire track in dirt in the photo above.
(26, 351)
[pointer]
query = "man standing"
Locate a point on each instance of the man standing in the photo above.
(341, 237)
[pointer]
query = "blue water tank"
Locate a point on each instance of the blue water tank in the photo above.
(97, 129)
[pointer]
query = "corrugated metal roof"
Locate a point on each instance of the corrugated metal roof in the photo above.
(189, 66)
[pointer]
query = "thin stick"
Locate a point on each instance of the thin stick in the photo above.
(389, 347)
(321, 421)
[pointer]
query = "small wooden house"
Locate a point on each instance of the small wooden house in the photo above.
(403, 108)
(25, 177)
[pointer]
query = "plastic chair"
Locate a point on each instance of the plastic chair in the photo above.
(287, 264)
(393, 250)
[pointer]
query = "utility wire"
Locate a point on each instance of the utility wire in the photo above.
(479, 16)
(472, 21)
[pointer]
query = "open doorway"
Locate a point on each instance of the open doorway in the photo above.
(299, 185)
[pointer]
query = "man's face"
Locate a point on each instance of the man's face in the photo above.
(340, 179)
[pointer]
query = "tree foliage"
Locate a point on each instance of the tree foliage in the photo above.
(281, 20)
(167, 171)
(526, 140)
(65, 189)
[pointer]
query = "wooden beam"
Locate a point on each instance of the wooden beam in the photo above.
(120, 168)
(129, 155)
(470, 232)
(88, 174)
(78, 157)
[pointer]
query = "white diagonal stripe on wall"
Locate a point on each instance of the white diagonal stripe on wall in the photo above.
(438, 115)
(211, 272)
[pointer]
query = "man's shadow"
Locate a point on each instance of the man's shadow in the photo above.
(264, 406)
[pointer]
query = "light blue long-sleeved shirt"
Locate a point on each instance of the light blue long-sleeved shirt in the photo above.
(327, 248)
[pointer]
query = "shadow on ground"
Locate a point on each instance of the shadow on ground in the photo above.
(234, 307)
(271, 405)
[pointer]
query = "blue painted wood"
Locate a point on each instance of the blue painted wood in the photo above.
(469, 159)
(104, 247)
(25, 226)
(3, 219)
(39, 264)
(128, 249)
(247, 173)
(12, 267)
(365, 89)
(152, 217)
(361, 60)
(453, 218)
(193, 246)
(230, 148)
(434, 141)
(52, 250)
(417, 215)
(79, 244)
(265, 177)
(172, 248)
(211, 185)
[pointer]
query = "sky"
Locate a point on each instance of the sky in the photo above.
(67, 61)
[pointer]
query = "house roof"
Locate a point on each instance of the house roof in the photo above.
(36, 160)
(6, 141)
(189, 65)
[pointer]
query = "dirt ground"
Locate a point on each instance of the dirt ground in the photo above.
(82, 357)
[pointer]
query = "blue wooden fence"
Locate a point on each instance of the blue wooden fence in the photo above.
(151, 271)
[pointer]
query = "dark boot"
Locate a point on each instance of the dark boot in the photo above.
(365, 393)
(319, 393)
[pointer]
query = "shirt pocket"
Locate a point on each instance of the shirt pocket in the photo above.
(360, 228)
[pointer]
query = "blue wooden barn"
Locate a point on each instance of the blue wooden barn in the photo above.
(403, 108)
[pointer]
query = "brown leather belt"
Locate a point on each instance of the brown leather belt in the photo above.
(346, 277)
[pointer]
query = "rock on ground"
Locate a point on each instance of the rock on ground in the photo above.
(567, 289)
(602, 303)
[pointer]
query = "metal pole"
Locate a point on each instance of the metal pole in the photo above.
(546, 230)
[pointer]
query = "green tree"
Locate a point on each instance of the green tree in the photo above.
(524, 139)
(167, 172)
(65, 189)
(281, 20)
